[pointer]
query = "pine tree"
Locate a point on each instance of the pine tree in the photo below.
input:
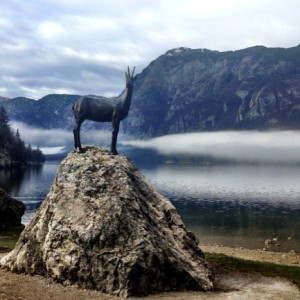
(18, 150)
(6, 135)
(29, 153)
(40, 155)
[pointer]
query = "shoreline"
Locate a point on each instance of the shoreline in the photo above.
(281, 258)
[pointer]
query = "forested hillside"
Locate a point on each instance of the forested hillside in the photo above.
(13, 151)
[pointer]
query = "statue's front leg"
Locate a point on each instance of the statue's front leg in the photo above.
(115, 131)
(114, 152)
(77, 143)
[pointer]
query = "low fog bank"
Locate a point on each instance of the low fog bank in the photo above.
(239, 146)
(53, 141)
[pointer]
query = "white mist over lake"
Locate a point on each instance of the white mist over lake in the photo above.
(241, 146)
(53, 141)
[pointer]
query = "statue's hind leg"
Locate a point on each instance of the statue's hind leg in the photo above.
(76, 132)
(115, 131)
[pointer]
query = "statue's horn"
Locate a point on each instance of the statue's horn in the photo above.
(128, 70)
(133, 71)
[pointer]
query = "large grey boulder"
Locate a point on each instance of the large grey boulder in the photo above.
(11, 210)
(102, 226)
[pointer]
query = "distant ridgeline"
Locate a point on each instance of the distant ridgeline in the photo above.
(190, 90)
(13, 152)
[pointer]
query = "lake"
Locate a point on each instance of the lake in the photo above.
(230, 205)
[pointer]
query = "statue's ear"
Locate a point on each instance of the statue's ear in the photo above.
(126, 77)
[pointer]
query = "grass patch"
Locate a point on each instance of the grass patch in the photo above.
(9, 238)
(222, 261)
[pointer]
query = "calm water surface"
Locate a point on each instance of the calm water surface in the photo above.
(240, 205)
(30, 185)
(230, 205)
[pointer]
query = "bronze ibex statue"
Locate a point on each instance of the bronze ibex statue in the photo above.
(101, 109)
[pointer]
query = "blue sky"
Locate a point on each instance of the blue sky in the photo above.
(84, 46)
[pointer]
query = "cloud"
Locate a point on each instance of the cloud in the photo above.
(84, 47)
(42, 137)
(242, 146)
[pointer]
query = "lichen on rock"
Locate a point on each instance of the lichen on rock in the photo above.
(102, 226)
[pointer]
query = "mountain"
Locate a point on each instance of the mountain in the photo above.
(51, 111)
(3, 99)
(201, 90)
(188, 90)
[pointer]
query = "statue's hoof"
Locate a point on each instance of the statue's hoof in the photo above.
(80, 150)
(114, 152)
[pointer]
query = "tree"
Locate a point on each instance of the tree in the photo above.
(29, 153)
(6, 135)
(18, 150)
(37, 155)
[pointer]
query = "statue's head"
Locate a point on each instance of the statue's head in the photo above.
(129, 77)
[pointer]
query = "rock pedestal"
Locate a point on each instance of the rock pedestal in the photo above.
(102, 226)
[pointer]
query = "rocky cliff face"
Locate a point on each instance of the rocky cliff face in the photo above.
(5, 161)
(102, 226)
(188, 90)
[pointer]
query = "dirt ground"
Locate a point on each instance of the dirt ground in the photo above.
(228, 285)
